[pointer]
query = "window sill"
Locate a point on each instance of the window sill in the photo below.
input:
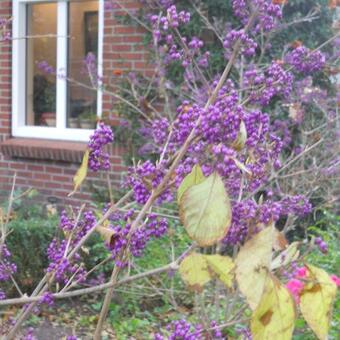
(43, 149)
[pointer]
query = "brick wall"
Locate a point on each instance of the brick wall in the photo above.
(123, 47)
(123, 50)
(5, 77)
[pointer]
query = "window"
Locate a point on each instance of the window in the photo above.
(56, 35)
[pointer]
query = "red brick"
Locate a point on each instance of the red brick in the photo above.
(18, 166)
(53, 185)
(61, 179)
(34, 167)
(124, 30)
(54, 170)
(42, 176)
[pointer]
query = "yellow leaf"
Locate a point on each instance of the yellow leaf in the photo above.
(316, 301)
(205, 211)
(81, 173)
(241, 138)
(108, 234)
(194, 271)
(280, 242)
(242, 167)
(252, 263)
(290, 254)
(274, 317)
(195, 177)
(222, 266)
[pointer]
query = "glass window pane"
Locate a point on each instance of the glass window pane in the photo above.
(41, 48)
(83, 45)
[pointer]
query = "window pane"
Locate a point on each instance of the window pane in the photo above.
(41, 48)
(83, 44)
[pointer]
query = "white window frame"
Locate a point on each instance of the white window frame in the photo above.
(60, 132)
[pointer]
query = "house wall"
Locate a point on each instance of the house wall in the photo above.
(123, 51)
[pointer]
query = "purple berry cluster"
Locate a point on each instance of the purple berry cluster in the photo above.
(173, 19)
(7, 268)
(58, 250)
(160, 130)
(321, 244)
(243, 215)
(181, 329)
(47, 299)
(184, 330)
(173, 48)
(60, 265)
(98, 158)
(306, 61)
(268, 13)
(247, 214)
(248, 45)
(263, 86)
(144, 178)
(136, 241)
(295, 205)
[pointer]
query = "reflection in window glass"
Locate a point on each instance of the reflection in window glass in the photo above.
(83, 44)
(41, 47)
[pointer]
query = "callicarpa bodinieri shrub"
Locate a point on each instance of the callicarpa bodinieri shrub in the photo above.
(213, 156)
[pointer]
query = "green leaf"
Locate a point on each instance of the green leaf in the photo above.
(316, 301)
(252, 263)
(222, 266)
(194, 271)
(205, 211)
(274, 317)
(195, 177)
(81, 173)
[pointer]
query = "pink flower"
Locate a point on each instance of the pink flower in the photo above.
(336, 279)
(301, 272)
(295, 287)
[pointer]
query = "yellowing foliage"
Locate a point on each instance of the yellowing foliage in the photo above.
(205, 211)
(80, 176)
(107, 234)
(285, 257)
(274, 317)
(252, 263)
(194, 271)
(195, 177)
(241, 138)
(197, 269)
(316, 301)
(222, 266)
